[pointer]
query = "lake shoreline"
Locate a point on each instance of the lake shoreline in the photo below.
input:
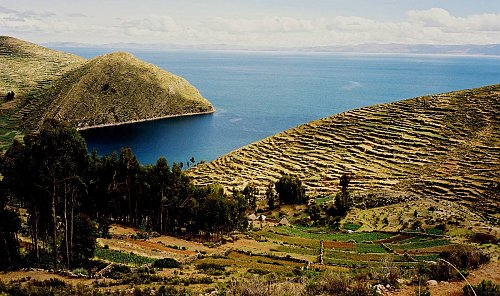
(145, 120)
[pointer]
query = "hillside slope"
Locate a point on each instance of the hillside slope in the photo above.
(118, 88)
(26, 67)
(110, 89)
(445, 146)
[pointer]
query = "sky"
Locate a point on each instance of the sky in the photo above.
(253, 23)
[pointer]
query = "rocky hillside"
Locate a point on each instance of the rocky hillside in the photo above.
(445, 146)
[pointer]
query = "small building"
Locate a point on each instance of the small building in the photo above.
(284, 221)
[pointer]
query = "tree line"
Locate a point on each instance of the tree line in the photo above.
(71, 197)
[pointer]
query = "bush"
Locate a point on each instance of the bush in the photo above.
(465, 257)
(81, 272)
(166, 263)
(462, 257)
(211, 268)
(485, 288)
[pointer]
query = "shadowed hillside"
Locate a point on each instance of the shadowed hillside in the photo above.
(445, 146)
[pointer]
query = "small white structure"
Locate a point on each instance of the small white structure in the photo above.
(262, 218)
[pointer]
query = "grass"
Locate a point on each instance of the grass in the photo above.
(357, 237)
(323, 199)
(297, 250)
(351, 226)
(421, 244)
(370, 248)
(121, 257)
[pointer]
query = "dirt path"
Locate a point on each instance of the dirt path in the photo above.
(490, 271)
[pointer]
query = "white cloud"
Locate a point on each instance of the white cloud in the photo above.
(432, 26)
(440, 18)
(152, 24)
(76, 14)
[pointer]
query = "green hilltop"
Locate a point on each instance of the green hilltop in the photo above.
(111, 89)
(443, 146)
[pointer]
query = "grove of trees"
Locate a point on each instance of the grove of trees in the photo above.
(71, 197)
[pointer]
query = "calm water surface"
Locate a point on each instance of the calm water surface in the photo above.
(258, 94)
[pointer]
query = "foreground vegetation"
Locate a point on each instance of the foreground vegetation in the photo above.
(72, 197)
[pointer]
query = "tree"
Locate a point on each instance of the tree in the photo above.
(271, 196)
(160, 182)
(85, 239)
(46, 174)
(314, 212)
(10, 224)
(344, 182)
(250, 192)
(9, 96)
(343, 203)
(290, 190)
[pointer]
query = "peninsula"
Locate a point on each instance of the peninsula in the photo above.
(111, 89)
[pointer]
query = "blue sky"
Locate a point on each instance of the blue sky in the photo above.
(253, 24)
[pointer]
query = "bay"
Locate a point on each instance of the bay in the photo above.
(258, 94)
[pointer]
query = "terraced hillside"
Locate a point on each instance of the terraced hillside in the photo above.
(28, 70)
(27, 67)
(445, 146)
(110, 89)
(118, 88)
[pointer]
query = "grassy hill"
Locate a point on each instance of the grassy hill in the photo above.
(444, 146)
(28, 70)
(27, 67)
(110, 89)
(117, 88)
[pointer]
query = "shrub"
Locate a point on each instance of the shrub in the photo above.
(166, 263)
(465, 257)
(258, 271)
(485, 288)
(351, 226)
(81, 272)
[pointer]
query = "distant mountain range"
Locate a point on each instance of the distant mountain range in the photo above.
(467, 49)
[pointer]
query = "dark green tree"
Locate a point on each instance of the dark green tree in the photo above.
(271, 196)
(290, 190)
(250, 192)
(345, 179)
(343, 203)
(85, 240)
(10, 224)
(160, 178)
(46, 174)
(314, 212)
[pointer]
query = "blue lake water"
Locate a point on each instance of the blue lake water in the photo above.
(258, 94)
